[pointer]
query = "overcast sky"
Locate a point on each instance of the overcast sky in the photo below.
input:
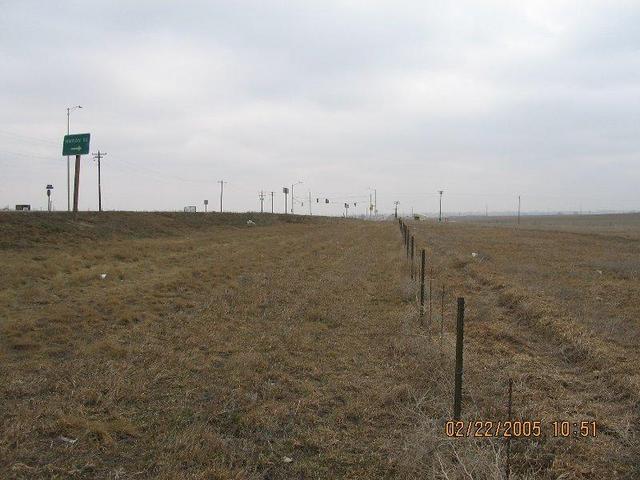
(538, 99)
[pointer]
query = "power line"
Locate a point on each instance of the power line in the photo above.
(27, 137)
(160, 175)
(30, 155)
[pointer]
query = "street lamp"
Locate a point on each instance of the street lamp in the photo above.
(69, 110)
(292, 197)
(373, 205)
(49, 188)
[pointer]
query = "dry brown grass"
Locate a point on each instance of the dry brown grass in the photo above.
(213, 350)
(545, 310)
(209, 351)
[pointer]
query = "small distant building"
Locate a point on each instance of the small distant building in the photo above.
(23, 208)
(190, 209)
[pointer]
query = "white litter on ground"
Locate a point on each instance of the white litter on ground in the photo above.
(67, 439)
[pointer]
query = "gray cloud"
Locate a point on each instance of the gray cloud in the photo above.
(486, 102)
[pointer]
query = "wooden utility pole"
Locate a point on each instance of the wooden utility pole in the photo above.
(98, 156)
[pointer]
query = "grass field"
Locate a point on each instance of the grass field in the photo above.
(556, 310)
(294, 349)
(610, 224)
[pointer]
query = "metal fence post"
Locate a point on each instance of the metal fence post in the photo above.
(457, 397)
(412, 262)
(422, 265)
(508, 466)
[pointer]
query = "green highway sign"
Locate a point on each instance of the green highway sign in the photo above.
(76, 144)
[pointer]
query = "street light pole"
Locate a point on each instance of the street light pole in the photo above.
(375, 201)
(440, 214)
(292, 197)
(373, 206)
(221, 182)
(69, 110)
(285, 190)
(68, 170)
(49, 188)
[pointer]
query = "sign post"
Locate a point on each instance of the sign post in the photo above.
(76, 184)
(76, 144)
(285, 190)
(49, 188)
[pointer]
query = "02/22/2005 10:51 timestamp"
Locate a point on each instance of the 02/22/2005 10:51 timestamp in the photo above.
(520, 428)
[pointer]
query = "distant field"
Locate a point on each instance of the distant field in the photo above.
(626, 224)
(294, 348)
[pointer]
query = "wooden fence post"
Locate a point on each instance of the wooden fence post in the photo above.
(457, 396)
(408, 235)
(430, 291)
(441, 317)
(422, 266)
(508, 466)
(412, 262)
